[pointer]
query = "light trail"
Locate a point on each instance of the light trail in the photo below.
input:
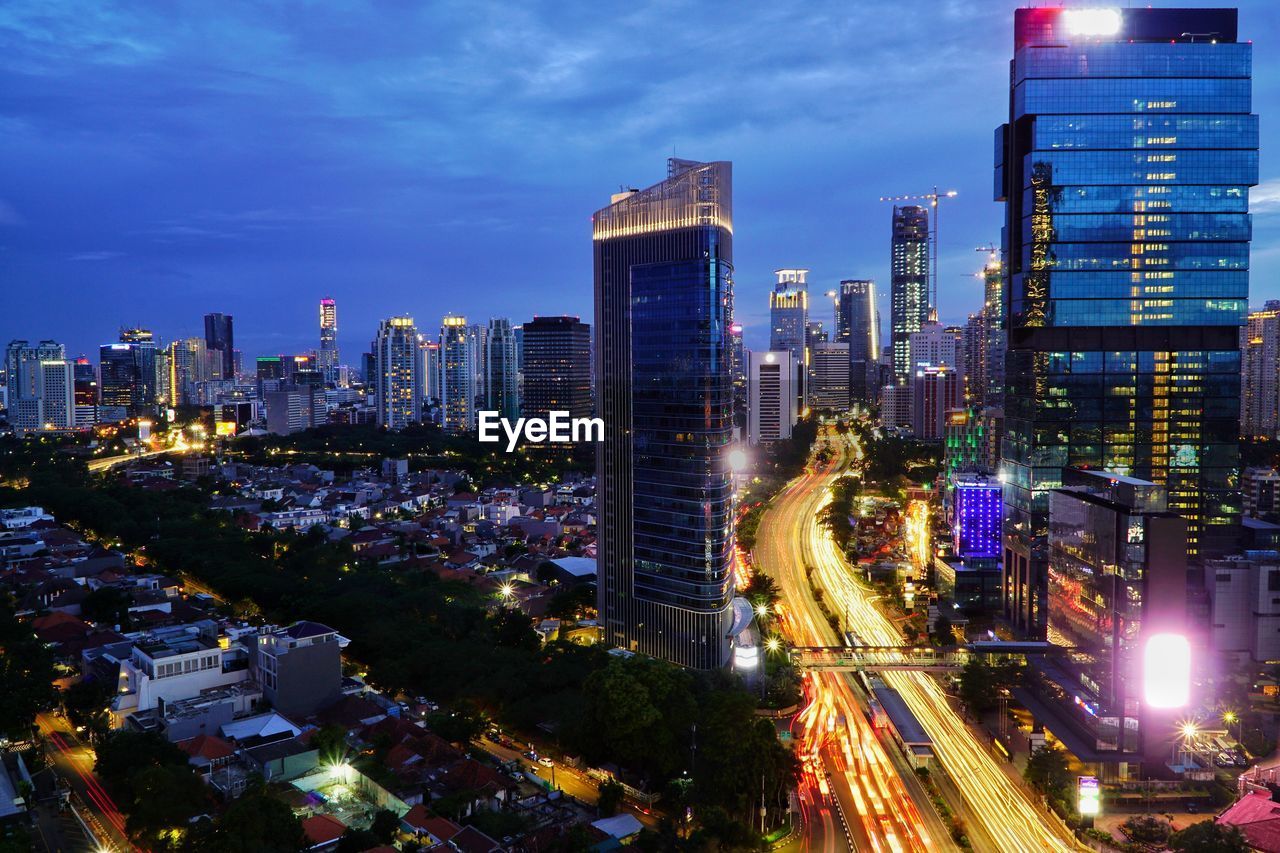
(791, 538)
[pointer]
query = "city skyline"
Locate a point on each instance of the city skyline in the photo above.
(266, 182)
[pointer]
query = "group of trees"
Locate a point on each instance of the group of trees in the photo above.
(835, 515)
(26, 676)
(413, 632)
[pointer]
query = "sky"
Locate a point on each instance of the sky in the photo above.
(159, 161)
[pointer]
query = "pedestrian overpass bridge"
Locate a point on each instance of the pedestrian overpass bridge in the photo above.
(918, 658)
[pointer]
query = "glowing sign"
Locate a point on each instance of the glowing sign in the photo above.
(746, 657)
(1088, 796)
(1166, 671)
(225, 428)
(1092, 22)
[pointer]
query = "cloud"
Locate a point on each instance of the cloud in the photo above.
(1265, 197)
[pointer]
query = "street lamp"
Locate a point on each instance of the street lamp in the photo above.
(773, 644)
(1230, 718)
(762, 610)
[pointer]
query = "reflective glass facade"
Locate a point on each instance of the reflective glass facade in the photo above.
(1125, 170)
(663, 293)
(908, 282)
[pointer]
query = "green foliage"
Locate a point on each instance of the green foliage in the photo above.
(1208, 836)
(835, 515)
(1147, 829)
(255, 822)
(1047, 771)
(611, 795)
(570, 602)
(26, 673)
(107, 605)
(331, 744)
(385, 825)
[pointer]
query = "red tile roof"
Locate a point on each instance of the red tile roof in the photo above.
(323, 829)
(206, 746)
(1258, 817)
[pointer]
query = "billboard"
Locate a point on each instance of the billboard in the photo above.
(1088, 795)
(1166, 671)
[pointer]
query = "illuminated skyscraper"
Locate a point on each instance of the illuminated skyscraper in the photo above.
(127, 372)
(789, 327)
(858, 324)
(188, 366)
(557, 367)
(219, 338)
(327, 355)
(908, 281)
(457, 375)
(1125, 170)
(1260, 373)
(22, 365)
(663, 263)
(501, 378)
(397, 373)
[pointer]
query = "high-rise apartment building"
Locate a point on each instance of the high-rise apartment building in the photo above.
(188, 366)
(478, 353)
(429, 351)
(86, 381)
(502, 377)
(789, 326)
(22, 366)
(219, 341)
(457, 375)
(663, 261)
(908, 281)
(557, 367)
(1125, 169)
(1260, 373)
(327, 355)
(771, 406)
(397, 373)
(858, 325)
(993, 333)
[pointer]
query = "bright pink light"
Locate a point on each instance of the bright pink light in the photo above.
(1166, 669)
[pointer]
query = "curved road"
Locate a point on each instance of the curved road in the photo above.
(1001, 816)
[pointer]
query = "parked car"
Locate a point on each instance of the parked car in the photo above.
(546, 762)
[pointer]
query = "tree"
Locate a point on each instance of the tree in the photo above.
(978, 686)
(163, 798)
(1048, 771)
(384, 826)
(255, 823)
(331, 744)
(1208, 836)
(942, 631)
(26, 671)
(107, 605)
(611, 795)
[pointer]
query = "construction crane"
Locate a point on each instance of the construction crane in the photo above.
(933, 198)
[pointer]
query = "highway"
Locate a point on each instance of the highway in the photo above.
(999, 813)
(851, 793)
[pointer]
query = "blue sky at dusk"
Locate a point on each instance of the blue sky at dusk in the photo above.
(159, 161)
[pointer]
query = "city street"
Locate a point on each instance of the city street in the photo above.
(73, 760)
(998, 812)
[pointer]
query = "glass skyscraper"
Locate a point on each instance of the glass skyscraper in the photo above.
(663, 288)
(328, 352)
(858, 324)
(219, 337)
(908, 282)
(1125, 170)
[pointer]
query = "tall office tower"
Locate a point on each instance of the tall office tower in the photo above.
(1117, 578)
(974, 351)
(908, 281)
(771, 407)
(127, 372)
(164, 378)
(1260, 373)
(829, 376)
(85, 376)
(663, 262)
(457, 375)
(557, 367)
(789, 326)
(1125, 170)
(478, 344)
(858, 324)
(429, 350)
(22, 366)
(993, 317)
(220, 339)
(397, 373)
(327, 355)
(188, 366)
(501, 380)
(738, 369)
(935, 390)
